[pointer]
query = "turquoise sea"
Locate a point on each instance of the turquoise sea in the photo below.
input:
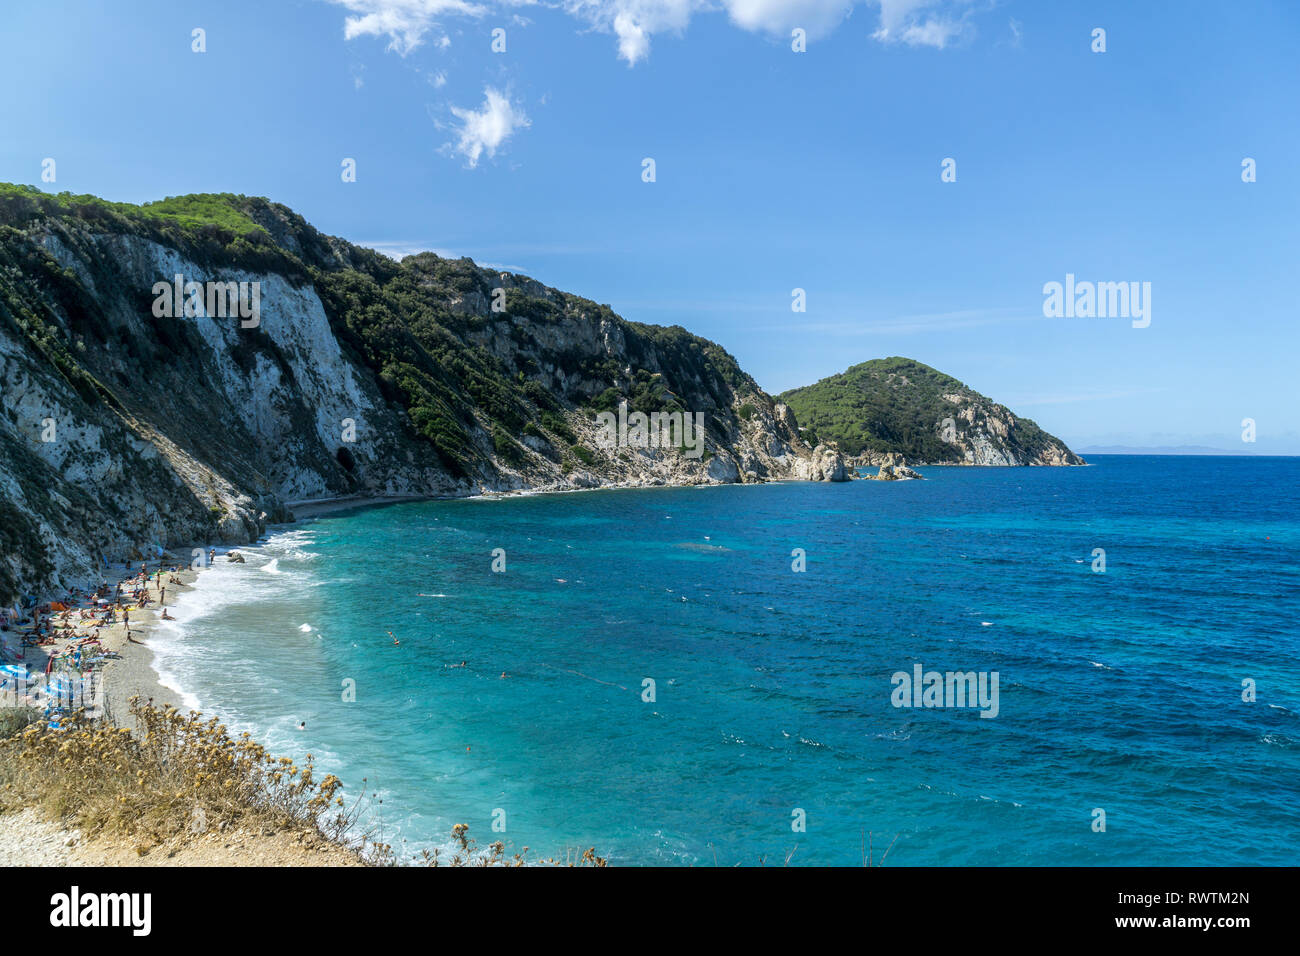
(1120, 691)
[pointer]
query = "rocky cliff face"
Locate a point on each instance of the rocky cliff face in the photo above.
(124, 431)
(899, 406)
(895, 468)
(824, 464)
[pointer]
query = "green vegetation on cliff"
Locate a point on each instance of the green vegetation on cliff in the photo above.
(363, 376)
(900, 405)
(422, 326)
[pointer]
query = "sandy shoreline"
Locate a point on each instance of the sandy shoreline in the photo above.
(134, 674)
(35, 840)
(30, 838)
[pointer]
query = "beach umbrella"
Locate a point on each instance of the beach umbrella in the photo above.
(62, 687)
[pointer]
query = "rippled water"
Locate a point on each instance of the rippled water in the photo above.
(1119, 690)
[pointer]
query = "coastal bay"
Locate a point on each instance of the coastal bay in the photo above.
(524, 690)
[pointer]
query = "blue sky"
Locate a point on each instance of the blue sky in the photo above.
(775, 170)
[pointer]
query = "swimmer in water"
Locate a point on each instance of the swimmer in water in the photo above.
(396, 642)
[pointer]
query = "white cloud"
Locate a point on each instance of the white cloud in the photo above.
(633, 21)
(817, 17)
(633, 41)
(406, 23)
(900, 22)
(484, 130)
(895, 13)
(935, 32)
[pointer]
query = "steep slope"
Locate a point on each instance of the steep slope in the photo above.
(901, 406)
(133, 419)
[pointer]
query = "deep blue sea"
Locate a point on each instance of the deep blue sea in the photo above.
(1119, 691)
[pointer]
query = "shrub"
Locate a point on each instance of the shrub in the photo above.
(177, 770)
(507, 448)
(154, 784)
(556, 425)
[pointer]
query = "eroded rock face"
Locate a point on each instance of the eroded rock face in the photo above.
(785, 415)
(894, 468)
(722, 469)
(825, 464)
(194, 431)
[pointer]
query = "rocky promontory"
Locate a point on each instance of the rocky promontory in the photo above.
(895, 468)
(900, 406)
(175, 374)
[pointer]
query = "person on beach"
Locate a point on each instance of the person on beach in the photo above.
(212, 555)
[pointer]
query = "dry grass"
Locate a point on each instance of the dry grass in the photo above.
(177, 777)
(14, 719)
(180, 776)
